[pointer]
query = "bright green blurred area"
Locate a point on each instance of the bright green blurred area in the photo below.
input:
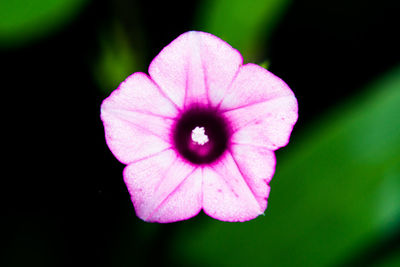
(336, 191)
(246, 25)
(117, 59)
(23, 21)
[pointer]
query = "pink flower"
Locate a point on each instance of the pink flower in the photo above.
(199, 132)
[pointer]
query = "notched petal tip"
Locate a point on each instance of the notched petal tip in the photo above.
(230, 196)
(137, 119)
(196, 67)
(261, 107)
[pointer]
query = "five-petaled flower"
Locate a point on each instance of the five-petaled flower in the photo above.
(199, 132)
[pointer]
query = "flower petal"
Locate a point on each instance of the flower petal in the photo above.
(257, 166)
(137, 119)
(253, 84)
(227, 195)
(196, 68)
(139, 93)
(261, 108)
(163, 188)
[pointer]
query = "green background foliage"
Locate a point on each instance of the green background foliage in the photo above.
(246, 26)
(24, 21)
(335, 197)
(336, 190)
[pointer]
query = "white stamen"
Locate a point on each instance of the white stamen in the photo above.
(199, 136)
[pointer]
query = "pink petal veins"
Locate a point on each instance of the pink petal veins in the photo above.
(132, 136)
(261, 108)
(253, 84)
(196, 68)
(163, 188)
(267, 124)
(137, 119)
(139, 93)
(257, 166)
(184, 202)
(227, 195)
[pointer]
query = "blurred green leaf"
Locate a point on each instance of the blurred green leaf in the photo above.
(393, 261)
(246, 25)
(336, 191)
(265, 64)
(22, 21)
(117, 59)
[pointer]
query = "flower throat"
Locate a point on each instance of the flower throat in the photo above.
(201, 135)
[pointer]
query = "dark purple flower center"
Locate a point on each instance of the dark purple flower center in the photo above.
(201, 135)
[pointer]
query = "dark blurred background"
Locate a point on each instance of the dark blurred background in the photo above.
(335, 198)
